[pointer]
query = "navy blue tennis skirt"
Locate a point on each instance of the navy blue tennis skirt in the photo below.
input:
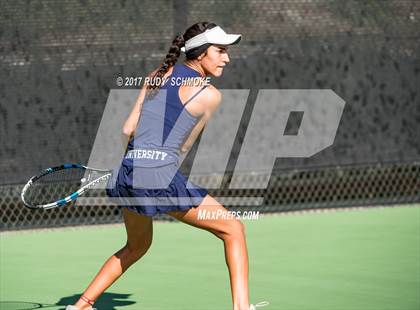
(146, 197)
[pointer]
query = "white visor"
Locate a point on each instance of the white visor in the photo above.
(214, 35)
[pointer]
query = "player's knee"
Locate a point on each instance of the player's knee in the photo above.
(235, 230)
(138, 249)
(136, 254)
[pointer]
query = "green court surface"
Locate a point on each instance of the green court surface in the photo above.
(358, 259)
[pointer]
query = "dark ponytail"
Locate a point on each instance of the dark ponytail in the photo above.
(175, 50)
(170, 60)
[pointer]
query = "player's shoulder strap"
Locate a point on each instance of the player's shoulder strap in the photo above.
(195, 95)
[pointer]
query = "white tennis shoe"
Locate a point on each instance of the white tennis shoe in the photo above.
(254, 307)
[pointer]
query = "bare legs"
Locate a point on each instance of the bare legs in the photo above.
(231, 231)
(139, 238)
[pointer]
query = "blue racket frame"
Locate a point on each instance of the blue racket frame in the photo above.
(69, 198)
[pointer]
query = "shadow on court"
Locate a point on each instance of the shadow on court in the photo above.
(105, 301)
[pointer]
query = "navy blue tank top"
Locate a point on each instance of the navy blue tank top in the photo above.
(164, 124)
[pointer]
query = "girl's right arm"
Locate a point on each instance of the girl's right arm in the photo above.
(130, 124)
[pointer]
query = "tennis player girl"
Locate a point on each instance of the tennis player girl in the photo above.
(190, 108)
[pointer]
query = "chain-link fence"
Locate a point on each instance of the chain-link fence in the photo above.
(295, 189)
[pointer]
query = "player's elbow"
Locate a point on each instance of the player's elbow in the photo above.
(184, 149)
(127, 131)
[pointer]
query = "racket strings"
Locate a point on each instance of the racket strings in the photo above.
(64, 175)
(54, 186)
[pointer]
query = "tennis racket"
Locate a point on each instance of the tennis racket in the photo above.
(57, 186)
